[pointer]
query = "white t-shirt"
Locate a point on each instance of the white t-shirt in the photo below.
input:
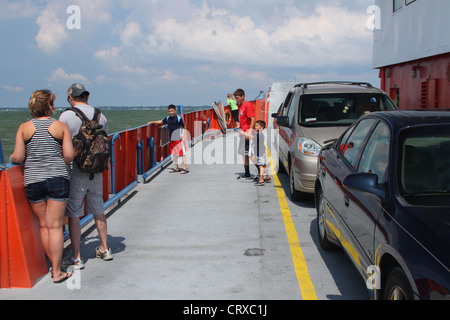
(74, 123)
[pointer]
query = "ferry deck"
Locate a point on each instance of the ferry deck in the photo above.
(207, 235)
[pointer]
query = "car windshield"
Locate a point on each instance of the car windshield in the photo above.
(340, 109)
(425, 164)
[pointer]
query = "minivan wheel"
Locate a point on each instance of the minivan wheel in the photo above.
(281, 168)
(295, 194)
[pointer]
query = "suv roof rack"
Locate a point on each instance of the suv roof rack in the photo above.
(350, 83)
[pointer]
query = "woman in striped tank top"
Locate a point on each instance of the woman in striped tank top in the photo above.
(46, 146)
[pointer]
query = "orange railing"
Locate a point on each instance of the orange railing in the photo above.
(136, 152)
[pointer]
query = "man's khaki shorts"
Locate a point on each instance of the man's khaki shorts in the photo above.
(83, 189)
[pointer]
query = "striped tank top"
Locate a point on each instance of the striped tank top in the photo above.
(44, 157)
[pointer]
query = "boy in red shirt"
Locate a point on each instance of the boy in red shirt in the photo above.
(247, 122)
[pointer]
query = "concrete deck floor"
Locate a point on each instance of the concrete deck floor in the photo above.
(203, 235)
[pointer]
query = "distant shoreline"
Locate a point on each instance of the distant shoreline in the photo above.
(111, 108)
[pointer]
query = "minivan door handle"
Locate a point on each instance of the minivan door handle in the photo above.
(346, 201)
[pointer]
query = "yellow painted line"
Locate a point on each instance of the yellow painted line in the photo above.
(301, 269)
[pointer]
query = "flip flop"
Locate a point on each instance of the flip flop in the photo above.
(173, 170)
(68, 275)
(182, 171)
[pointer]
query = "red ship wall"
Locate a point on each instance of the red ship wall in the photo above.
(423, 83)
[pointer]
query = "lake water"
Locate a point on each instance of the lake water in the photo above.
(119, 119)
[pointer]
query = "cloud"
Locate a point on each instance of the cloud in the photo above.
(327, 35)
(240, 73)
(324, 34)
(107, 53)
(184, 45)
(59, 75)
(131, 34)
(135, 70)
(13, 89)
(17, 9)
(193, 42)
(53, 31)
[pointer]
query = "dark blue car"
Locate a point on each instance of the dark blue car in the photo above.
(383, 194)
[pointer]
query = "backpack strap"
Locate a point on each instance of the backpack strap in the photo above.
(178, 118)
(179, 121)
(79, 113)
(84, 118)
(97, 115)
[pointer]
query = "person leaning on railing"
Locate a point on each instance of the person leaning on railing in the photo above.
(45, 145)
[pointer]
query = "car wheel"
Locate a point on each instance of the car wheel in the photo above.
(397, 286)
(281, 168)
(321, 223)
(295, 194)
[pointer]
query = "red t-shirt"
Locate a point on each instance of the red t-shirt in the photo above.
(246, 112)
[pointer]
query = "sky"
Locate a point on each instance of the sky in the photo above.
(183, 52)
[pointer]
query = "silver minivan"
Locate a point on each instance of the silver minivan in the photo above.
(314, 113)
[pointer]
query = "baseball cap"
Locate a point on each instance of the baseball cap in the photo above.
(76, 90)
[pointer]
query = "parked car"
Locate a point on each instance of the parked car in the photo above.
(382, 193)
(313, 113)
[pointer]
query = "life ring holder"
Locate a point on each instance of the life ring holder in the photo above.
(228, 117)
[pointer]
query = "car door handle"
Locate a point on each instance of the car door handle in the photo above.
(346, 201)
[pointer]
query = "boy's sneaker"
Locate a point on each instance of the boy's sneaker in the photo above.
(105, 255)
(77, 264)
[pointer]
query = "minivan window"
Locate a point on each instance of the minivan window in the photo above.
(291, 111)
(286, 103)
(340, 109)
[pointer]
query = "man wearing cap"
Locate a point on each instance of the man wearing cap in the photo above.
(81, 186)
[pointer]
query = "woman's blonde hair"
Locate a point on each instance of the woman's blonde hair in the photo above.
(42, 103)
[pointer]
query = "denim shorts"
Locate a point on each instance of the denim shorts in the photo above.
(57, 189)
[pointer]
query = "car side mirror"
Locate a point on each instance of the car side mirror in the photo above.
(331, 141)
(366, 182)
(283, 121)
